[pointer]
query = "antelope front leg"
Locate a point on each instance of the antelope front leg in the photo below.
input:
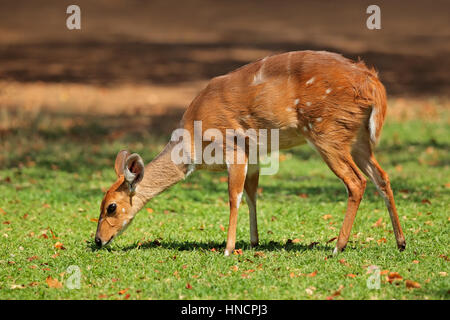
(236, 180)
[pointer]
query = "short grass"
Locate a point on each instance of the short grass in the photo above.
(51, 187)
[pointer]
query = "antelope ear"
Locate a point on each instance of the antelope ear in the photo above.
(133, 170)
(119, 165)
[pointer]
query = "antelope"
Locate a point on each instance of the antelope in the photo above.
(334, 104)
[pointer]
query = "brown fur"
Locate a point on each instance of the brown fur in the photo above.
(335, 104)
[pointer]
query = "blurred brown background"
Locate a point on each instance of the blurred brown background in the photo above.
(152, 57)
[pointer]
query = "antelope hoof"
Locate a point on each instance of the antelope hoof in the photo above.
(227, 252)
(401, 245)
(253, 244)
(338, 250)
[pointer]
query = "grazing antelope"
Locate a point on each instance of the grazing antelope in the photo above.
(334, 104)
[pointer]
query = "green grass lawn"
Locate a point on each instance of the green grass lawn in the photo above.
(51, 187)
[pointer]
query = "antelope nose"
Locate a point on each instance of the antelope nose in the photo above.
(98, 242)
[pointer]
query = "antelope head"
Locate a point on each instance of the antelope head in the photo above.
(116, 208)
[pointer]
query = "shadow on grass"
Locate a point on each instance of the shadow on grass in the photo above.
(210, 245)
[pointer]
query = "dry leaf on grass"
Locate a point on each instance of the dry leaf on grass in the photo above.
(59, 245)
(53, 283)
(378, 223)
(312, 274)
(303, 195)
(259, 254)
(412, 284)
(394, 276)
(336, 293)
(343, 262)
(123, 291)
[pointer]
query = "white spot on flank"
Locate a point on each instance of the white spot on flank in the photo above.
(319, 119)
(308, 104)
(310, 81)
(289, 109)
(305, 129)
(124, 223)
(123, 210)
(328, 91)
(310, 125)
(296, 101)
(258, 77)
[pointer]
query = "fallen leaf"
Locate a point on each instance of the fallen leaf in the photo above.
(444, 257)
(59, 245)
(412, 284)
(234, 268)
(127, 296)
(381, 240)
(312, 274)
(17, 286)
(290, 241)
(188, 286)
(336, 293)
(443, 273)
(327, 216)
(123, 291)
(351, 275)
(94, 220)
(237, 251)
(222, 227)
(343, 262)
(223, 179)
(426, 201)
(259, 254)
(394, 276)
(53, 283)
(378, 223)
(53, 235)
(303, 195)
(32, 258)
(149, 210)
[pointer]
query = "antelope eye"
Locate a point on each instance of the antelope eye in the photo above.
(111, 208)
